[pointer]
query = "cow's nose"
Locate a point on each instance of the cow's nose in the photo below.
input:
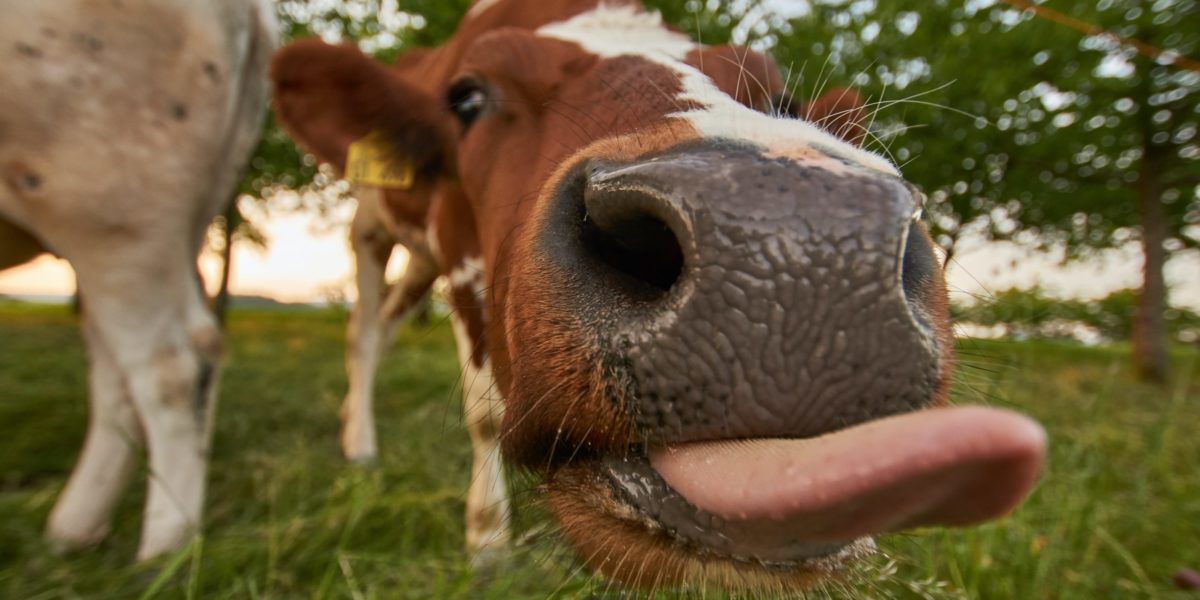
(749, 296)
(636, 231)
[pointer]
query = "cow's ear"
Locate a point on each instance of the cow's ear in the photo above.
(328, 97)
(839, 111)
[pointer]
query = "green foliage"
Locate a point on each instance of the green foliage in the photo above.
(277, 162)
(711, 22)
(1043, 146)
(286, 517)
(1024, 314)
(1031, 313)
(441, 19)
(1018, 125)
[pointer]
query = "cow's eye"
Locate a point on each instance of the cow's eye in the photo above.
(467, 99)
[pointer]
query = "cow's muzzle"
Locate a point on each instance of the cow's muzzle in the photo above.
(747, 296)
(773, 327)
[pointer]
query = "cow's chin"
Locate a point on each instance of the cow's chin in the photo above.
(650, 540)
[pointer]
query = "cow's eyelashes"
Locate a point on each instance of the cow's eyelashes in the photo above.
(467, 99)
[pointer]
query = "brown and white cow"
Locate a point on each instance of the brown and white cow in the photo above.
(381, 222)
(123, 129)
(392, 208)
(720, 335)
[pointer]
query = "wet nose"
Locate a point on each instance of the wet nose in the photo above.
(743, 295)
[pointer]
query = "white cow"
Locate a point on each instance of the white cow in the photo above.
(123, 127)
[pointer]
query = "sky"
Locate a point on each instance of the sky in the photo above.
(308, 261)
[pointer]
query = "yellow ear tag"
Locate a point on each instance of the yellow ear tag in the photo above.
(370, 161)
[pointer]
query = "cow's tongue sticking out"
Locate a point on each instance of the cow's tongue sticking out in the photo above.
(946, 466)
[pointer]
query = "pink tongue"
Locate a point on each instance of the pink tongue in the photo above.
(946, 466)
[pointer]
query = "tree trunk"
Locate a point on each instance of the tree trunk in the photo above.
(1149, 325)
(221, 303)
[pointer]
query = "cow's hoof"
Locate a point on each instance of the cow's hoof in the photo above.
(485, 561)
(366, 459)
(359, 451)
(60, 546)
(155, 546)
(62, 542)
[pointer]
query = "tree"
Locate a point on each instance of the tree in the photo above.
(1022, 128)
(382, 27)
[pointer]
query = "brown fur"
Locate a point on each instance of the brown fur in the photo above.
(310, 75)
(839, 111)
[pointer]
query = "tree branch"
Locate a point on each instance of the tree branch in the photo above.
(1154, 52)
(1182, 181)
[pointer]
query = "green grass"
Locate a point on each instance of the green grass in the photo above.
(1117, 512)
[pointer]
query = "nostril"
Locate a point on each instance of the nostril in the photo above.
(623, 232)
(919, 267)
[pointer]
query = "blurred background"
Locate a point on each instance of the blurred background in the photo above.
(1058, 144)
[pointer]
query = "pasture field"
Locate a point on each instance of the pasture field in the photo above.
(1117, 512)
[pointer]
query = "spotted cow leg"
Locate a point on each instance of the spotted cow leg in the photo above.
(162, 346)
(373, 322)
(182, 432)
(83, 514)
(365, 339)
(175, 395)
(487, 497)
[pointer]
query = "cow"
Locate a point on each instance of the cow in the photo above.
(387, 216)
(391, 212)
(123, 128)
(718, 334)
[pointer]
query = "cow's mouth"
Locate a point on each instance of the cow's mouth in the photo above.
(738, 513)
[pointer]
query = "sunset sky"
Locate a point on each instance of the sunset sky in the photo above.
(306, 261)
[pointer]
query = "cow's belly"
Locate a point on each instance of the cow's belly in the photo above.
(16, 246)
(86, 108)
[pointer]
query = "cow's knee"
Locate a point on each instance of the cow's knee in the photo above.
(181, 378)
(207, 347)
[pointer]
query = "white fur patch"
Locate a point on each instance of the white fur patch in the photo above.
(488, 511)
(469, 273)
(611, 31)
(435, 245)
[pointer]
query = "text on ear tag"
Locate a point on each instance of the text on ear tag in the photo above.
(371, 161)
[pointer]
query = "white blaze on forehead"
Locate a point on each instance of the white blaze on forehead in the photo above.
(611, 31)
